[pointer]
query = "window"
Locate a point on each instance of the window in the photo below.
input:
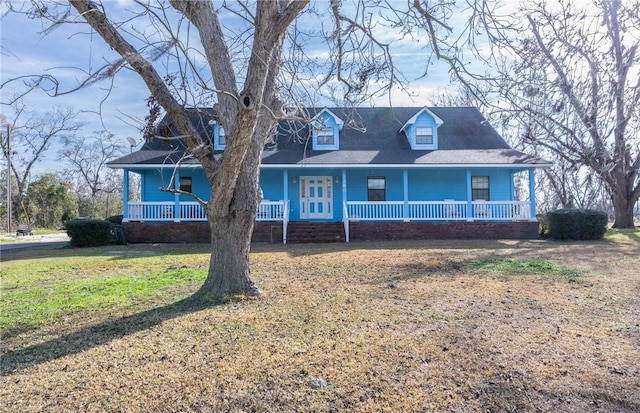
(185, 183)
(480, 188)
(424, 136)
(219, 138)
(376, 188)
(326, 136)
(222, 139)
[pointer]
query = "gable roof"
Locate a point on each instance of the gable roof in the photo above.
(337, 119)
(370, 136)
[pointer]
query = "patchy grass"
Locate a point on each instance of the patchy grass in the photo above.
(523, 267)
(366, 327)
(623, 236)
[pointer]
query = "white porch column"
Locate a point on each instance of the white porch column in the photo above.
(345, 220)
(344, 185)
(532, 193)
(405, 184)
(125, 196)
(176, 198)
(469, 197)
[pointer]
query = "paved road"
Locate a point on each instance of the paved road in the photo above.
(36, 241)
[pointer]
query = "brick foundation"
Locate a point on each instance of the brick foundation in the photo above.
(192, 232)
(370, 231)
(271, 232)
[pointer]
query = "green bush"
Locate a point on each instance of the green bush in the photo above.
(88, 232)
(114, 219)
(576, 224)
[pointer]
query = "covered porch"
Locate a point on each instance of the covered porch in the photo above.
(353, 211)
(338, 196)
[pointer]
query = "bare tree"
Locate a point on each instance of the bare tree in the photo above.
(87, 159)
(249, 70)
(575, 88)
(31, 134)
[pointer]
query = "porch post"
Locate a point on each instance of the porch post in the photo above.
(405, 184)
(125, 196)
(176, 198)
(345, 220)
(344, 185)
(532, 193)
(469, 197)
(285, 185)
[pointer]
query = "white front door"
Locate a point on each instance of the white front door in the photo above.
(316, 198)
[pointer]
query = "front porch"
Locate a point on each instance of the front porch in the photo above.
(353, 212)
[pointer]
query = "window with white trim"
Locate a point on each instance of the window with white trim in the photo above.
(376, 188)
(424, 136)
(480, 188)
(219, 137)
(222, 139)
(326, 137)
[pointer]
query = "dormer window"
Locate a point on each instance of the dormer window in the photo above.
(219, 137)
(326, 136)
(424, 136)
(422, 130)
(222, 139)
(326, 131)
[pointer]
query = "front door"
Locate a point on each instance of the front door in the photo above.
(316, 200)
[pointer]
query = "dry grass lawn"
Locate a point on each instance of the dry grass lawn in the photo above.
(363, 327)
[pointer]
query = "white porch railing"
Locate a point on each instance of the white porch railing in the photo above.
(437, 211)
(150, 211)
(193, 211)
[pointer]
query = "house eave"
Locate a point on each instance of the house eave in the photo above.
(347, 166)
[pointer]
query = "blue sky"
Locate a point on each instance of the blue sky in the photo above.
(70, 50)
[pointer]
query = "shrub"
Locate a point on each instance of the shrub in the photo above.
(114, 219)
(576, 224)
(89, 232)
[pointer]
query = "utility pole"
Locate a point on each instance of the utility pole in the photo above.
(8, 178)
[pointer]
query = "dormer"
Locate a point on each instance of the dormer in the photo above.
(325, 130)
(219, 138)
(422, 130)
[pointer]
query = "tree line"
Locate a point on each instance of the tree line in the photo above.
(81, 184)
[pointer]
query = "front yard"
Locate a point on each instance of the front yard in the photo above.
(368, 327)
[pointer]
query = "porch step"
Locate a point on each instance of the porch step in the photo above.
(310, 232)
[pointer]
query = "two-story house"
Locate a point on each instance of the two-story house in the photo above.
(352, 174)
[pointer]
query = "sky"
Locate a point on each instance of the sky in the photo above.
(70, 50)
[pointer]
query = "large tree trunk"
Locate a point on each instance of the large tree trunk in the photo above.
(623, 212)
(229, 272)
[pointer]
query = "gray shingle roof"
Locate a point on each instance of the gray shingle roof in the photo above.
(372, 136)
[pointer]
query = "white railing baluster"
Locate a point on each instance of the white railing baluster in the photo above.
(448, 210)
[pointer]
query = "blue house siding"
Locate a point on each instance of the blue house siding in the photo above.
(151, 189)
(500, 183)
(152, 180)
(357, 183)
(271, 182)
(437, 185)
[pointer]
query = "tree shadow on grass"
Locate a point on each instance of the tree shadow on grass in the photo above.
(93, 336)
